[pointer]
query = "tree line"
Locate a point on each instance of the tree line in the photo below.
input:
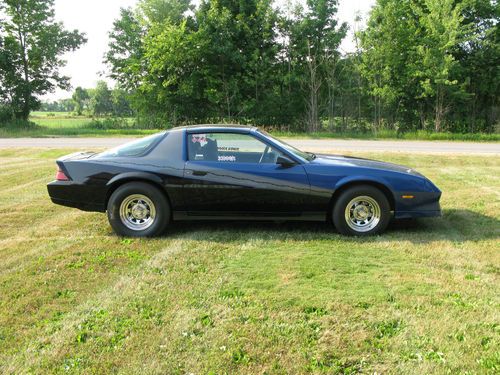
(418, 64)
(96, 102)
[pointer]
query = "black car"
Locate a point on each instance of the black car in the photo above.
(237, 173)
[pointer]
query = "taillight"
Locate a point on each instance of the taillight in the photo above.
(61, 176)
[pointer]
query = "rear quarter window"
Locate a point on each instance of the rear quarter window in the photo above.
(135, 148)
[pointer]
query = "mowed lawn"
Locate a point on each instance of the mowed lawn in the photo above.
(228, 298)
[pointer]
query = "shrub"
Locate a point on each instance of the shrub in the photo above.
(6, 115)
(108, 123)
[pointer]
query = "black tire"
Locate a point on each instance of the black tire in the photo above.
(156, 223)
(374, 197)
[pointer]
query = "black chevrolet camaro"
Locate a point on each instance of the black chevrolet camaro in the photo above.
(237, 173)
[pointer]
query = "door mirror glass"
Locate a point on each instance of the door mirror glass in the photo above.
(285, 161)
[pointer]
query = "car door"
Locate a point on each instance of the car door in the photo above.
(235, 174)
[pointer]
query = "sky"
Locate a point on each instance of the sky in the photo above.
(95, 18)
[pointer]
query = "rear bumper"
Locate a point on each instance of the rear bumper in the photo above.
(69, 194)
(80, 205)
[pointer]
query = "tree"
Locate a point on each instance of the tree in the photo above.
(121, 102)
(419, 64)
(433, 62)
(442, 30)
(125, 55)
(80, 98)
(31, 48)
(316, 37)
(389, 58)
(100, 100)
(478, 57)
(164, 11)
(130, 64)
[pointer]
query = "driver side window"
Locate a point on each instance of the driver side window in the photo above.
(229, 148)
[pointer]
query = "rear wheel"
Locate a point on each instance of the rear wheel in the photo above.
(361, 211)
(138, 209)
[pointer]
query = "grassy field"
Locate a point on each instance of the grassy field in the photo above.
(228, 298)
(60, 124)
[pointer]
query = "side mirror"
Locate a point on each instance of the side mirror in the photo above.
(285, 161)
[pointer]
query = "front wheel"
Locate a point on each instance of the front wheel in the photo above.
(138, 209)
(361, 211)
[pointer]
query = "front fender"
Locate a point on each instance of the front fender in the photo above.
(362, 179)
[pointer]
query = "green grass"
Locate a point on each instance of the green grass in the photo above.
(228, 298)
(41, 132)
(61, 124)
(52, 121)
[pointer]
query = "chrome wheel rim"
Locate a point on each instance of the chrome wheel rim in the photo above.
(137, 212)
(362, 214)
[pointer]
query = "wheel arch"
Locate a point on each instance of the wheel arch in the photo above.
(360, 182)
(126, 178)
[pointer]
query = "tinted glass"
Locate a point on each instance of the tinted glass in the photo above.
(229, 148)
(134, 148)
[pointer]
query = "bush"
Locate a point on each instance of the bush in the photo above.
(6, 115)
(19, 125)
(108, 123)
(152, 121)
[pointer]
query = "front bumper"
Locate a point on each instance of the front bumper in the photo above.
(417, 214)
(422, 205)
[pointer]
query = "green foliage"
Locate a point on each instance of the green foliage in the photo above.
(125, 55)
(120, 100)
(419, 65)
(81, 99)
(442, 29)
(62, 105)
(31, 49)
(419, 58)
(97, 102)
(6, 114)
(101, 100)
(315, 39)
(250, 62)
(223, 61)
(106, 124)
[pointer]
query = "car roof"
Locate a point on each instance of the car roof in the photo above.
(217, 128)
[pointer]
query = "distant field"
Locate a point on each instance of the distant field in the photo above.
(62, 120)
(61, 124)
(239, 298)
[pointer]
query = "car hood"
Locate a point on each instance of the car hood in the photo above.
(349, 161)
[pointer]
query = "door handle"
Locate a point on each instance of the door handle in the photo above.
(199, 173)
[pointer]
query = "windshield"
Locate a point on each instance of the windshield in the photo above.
(134, 148)
(302, 154)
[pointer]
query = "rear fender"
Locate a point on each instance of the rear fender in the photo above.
(134, 176)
